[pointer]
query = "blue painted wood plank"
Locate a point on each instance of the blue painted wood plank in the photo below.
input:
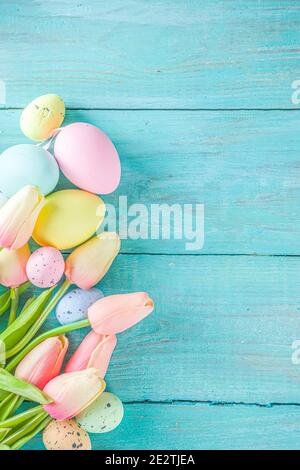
(222, 329)
(199, 426)
(243, 166)
(151, 54)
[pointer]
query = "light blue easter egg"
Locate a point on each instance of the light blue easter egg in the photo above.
(74, 305)
(25, 164)
(103, 415)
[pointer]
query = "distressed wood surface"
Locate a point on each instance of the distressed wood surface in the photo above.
(243, 166)
(157, 54)
(201, 426)
(197, 97)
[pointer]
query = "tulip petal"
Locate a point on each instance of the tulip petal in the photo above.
(18, 216)
(13, 266)
(89, 263)
(116, 313)
(73, 392)
(94, 351)
(44, 362)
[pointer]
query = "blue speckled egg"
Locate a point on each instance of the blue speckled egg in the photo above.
(74, 305)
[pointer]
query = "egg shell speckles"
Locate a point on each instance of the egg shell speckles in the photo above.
(25, 164)
(103, 415)
(45, 267)
(42, 116)
(74, 305)
(66, 435)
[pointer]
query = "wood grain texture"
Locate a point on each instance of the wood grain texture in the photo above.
(199, 426)
(222, 329)
(243, 166)
(158, 54)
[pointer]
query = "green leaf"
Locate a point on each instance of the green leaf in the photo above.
(4, 302)
(7, 405)
(19, 433)
(4, 432)
(16, 330)
(20, 418)
(3, 447)
(17, 445)
(12, 384)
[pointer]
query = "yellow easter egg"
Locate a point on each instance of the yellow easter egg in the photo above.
(68, 218)
(42, 116)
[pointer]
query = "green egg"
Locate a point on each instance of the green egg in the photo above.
(103, 415)
(42, 116)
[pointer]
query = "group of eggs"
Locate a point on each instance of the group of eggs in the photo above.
(87, 158)
(83, 153)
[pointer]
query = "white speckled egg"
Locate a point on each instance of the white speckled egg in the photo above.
(103, 415)
(42, 116)
(45, 267)
(25, 164)
(74, 305)
(65, 435)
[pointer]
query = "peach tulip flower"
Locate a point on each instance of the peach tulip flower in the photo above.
(88, 263)
(13, 266)
(18, 217)
(72, 393)
(94, 351)
(44, 362)
(116, 313)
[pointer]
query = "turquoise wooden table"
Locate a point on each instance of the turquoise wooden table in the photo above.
(200, 98)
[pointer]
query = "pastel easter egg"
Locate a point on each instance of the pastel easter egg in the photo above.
(45, 267)
(42, 116)
(68, 218)
(74, 305)
(65, 435)
(103, 415)
(25, 164)
(88, 158)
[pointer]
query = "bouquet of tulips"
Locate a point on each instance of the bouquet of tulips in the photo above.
(32, 362)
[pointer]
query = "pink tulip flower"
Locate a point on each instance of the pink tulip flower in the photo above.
(18, 217)
(88, 263)
(72, 393)
(116, 313)
(94, 351)
(13, 266)
(44, 362)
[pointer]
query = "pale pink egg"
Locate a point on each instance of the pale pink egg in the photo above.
(45, 267)
(88, 158)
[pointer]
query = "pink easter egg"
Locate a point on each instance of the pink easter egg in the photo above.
(45, 267)
(88, 158)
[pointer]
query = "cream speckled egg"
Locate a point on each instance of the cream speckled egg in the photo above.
(42, 116)
(65, 435)
(103, 415)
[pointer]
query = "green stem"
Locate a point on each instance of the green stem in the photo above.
(18, 444)
(40, 321)
(7, 405)
(20, 418)
(48, 334)
(14, 294)
(21, 432)
(4, 302)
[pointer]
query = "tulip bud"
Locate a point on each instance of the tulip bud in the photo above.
(72, 393)
(44, 362)
(88, 263)
(18, 217)
(13, 266)
(116, 313)
(94, 351)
